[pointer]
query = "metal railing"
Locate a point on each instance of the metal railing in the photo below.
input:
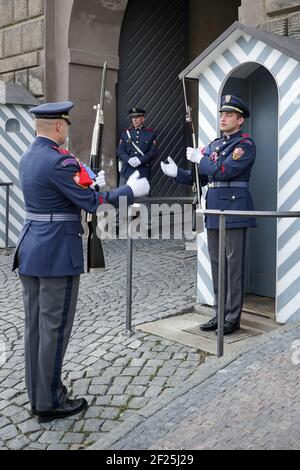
(221, 274)
(221, 279)
(7, 185)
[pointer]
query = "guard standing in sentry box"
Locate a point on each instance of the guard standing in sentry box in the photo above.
(225, 167)
(49, 253)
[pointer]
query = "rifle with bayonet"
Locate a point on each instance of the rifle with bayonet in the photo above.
(197, 222)
(95, 255)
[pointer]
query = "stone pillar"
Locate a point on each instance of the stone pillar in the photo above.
(252, 12)
(93, 39)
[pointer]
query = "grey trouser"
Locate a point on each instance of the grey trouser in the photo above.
(122, 181)
(234, 270)
(49, 305)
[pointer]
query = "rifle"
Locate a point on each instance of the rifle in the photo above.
(95, 255)
(197, 222)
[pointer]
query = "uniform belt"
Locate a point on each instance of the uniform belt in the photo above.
(58, 217)
(228, 184)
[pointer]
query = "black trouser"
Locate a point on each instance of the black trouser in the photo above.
(235, 258)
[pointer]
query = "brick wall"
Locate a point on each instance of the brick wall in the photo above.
(22, 42)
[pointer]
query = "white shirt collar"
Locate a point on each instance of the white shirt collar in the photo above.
(46, 137)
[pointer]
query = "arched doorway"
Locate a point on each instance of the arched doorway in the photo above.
(153, 51)
(256, 85)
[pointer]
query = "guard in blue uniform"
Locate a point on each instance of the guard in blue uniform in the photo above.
(137, 147)
(49, 253)
(225, 167)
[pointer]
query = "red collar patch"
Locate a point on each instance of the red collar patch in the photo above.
(60, 150)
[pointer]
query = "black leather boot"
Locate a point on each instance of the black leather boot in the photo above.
(68, 408)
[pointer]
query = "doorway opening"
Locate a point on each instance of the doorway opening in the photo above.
(257, 87)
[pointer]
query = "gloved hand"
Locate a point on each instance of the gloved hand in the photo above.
(169, 169)
(193, 155)
(100, 180)
(140, 186)
(134, 162)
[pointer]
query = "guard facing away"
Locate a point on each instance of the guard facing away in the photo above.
(137, 147)
(49, 253)
(225, 167)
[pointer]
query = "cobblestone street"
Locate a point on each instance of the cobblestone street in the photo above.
(117, 374)
(146, 392)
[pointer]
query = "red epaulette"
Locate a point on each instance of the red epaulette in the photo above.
(247, 139)
(63, 152)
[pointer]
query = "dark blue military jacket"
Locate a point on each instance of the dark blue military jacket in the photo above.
(51, 184)
(145, 139)
(228, 159)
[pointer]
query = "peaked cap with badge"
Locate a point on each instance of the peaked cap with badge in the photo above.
(136, 112)
(58, 110)
(231, 103)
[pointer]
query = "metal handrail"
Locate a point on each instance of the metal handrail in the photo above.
(221, 274)
(7, 185)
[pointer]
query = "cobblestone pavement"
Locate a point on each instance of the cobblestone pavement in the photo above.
(117, 374)
(247, 402)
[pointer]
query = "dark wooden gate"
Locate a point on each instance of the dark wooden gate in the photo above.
(152, 54)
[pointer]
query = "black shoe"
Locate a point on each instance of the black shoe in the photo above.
(230, 327)
(69, 408)
(210, 325)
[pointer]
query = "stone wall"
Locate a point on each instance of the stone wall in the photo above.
(22, 43)
(22, 35)
(276, 16)
(283, 17)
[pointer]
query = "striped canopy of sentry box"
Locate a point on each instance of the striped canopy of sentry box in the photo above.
(213, 69)
(12, 146)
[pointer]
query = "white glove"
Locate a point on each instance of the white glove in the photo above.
(169, 169)
(140, 186)
(193, 155)
(134, 162)
(100, 180)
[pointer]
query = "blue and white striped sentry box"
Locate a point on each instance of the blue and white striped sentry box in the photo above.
(16, 134)
(238, 52)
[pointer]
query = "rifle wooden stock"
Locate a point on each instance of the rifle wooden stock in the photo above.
(95, 255)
